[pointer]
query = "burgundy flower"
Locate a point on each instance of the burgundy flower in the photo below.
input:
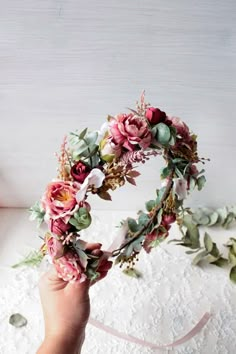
(130, 131)
(168, 219)
(80, 171)
(181, 128)
(155, 115)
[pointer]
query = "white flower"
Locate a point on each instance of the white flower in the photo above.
(102, 132)
(180, 188)
(95, 178)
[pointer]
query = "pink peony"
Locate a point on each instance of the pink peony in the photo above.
(155, 115)
(130, 130)
(55, 248)
(59, 199)
(80, 171)
(69, 268)
(58, 226)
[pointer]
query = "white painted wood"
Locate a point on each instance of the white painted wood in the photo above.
(67, 64)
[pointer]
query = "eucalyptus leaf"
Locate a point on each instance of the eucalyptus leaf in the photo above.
(201, 182)
(17, 320)
(163, 133)
(132, 272)
(150, 205)
(232, 274)
(83, 133)
(132, 224)
(208, 242)
(220, 262)
(199, 257)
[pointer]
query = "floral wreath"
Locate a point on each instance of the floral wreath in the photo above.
(98, 162)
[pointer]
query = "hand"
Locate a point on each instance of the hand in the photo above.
(66, 309)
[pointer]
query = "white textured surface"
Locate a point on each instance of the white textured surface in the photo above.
(66, 64)
(160, 307)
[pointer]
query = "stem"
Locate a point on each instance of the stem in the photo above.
(155, 212)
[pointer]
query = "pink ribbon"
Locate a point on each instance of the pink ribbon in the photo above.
(196, 329)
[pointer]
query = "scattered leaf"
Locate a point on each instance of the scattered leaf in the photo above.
(17, 320)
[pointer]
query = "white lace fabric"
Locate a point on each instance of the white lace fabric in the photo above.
(160, 307)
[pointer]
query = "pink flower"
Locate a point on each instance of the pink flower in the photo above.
(54, 247)
(130, 130)
(181, 128)
(80, 171)
(58, 226)
(69, 268)
(59, 199)
(155, 115)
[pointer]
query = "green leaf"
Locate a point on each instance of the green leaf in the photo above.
(222, 215)
(163, 133)
(132, 272)
(17, 320)
(165, 171)
(199, 257)
(220, 262)
(160, 193)
(83, 133)
(34, 258)
(132, 224)
(215, 252)
(232, 274)
(200, 182)
(143, 219)
(232, 257)
(150, 205)
(91, 138)
(37, 213)
(208, 242)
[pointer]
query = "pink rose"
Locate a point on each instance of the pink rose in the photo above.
(130, 130)
(54, 247)
(69, 268)
(80, 171)
(58, 226)
(155, 115)
(181, 128)
(59, 199)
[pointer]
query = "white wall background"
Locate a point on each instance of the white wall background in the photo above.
(66, 64)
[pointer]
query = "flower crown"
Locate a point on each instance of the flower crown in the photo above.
(98, 162)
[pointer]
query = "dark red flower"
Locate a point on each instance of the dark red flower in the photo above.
(155, 115)
(80, 171)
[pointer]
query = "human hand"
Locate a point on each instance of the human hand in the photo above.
(66, 309)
